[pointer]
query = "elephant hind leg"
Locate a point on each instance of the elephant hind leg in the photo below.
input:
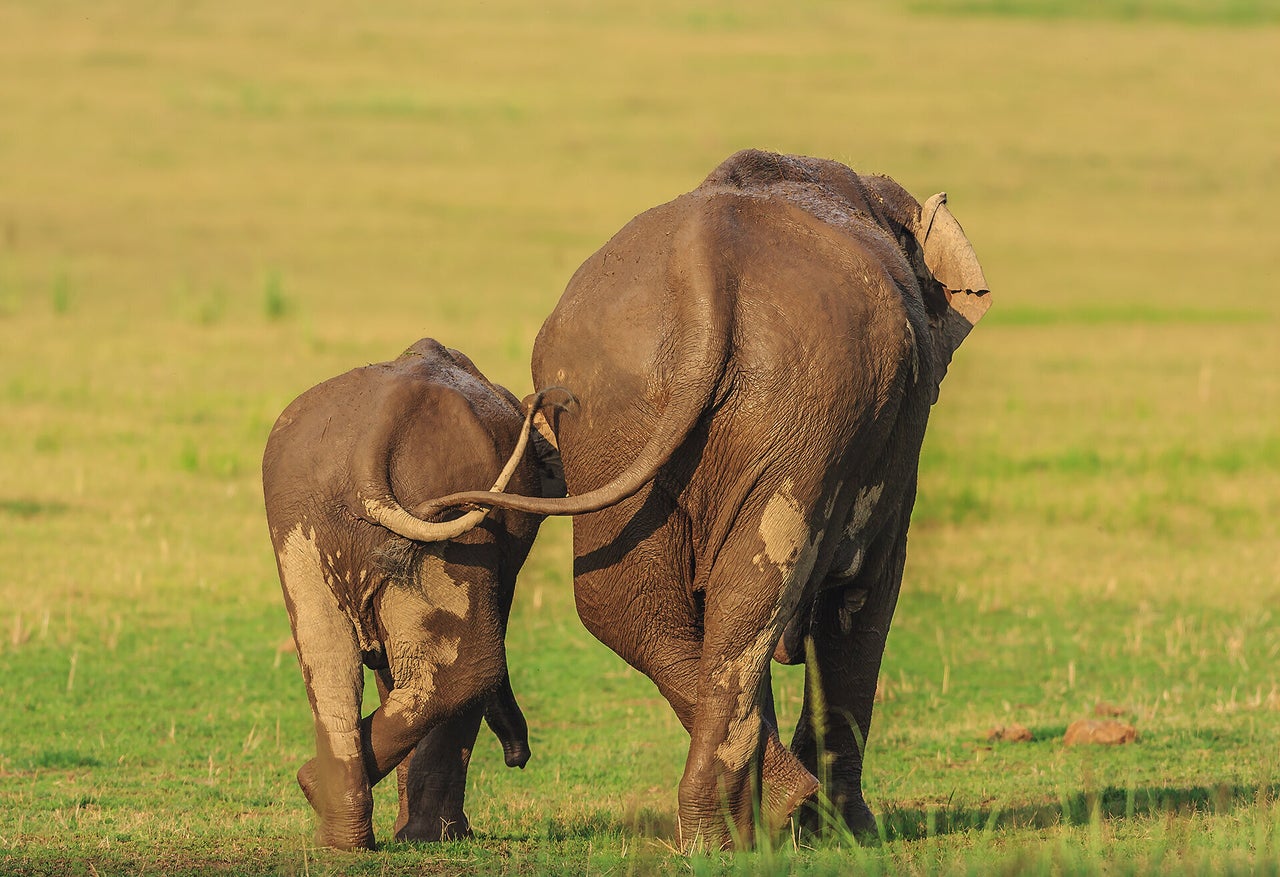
(787, 782)
(733, 746)
(668, 646)
(431, 780)
(435, 781)
(718, 794)
(440, 666)
(849, 634)
(334, 781)
(752, 591)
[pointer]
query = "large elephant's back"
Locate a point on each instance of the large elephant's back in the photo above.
(818, 327)
(609, 341)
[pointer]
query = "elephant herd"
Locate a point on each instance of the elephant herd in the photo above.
(732, 396)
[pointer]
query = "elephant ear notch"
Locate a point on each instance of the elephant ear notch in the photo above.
(947, 251)
(952, 261)
(961, 296)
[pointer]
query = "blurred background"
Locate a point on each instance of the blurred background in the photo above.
(206, 208)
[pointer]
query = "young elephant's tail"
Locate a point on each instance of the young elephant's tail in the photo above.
(388, 512)
(703, 317)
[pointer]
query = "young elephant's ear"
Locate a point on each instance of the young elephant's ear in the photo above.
(951, 260)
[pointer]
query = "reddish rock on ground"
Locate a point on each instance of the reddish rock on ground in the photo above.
(1105, 732)
(1009, 734)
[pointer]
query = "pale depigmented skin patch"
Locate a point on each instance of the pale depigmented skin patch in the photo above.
(414, 657)
(863, 505)
(855, 530)
(326, 642)
(783, 530)
(420, 662)
(792, 549)
(441, 591)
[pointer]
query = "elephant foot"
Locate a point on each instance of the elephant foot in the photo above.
(436, 829)
(781, 803)
(710, 834)
(716, 816)
(343, 803)
(859, 819)
(854, 816)
(787, 785)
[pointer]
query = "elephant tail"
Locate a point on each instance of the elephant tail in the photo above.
(704, 316)
(381, 506)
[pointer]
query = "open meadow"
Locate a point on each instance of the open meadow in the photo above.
(206, 208)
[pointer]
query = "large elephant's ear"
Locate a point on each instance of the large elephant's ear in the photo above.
(947, 251)
(960, 297)
(547, 452)
(953, 263)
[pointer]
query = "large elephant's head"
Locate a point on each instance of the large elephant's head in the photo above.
(955, 291)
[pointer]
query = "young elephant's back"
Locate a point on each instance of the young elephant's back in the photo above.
(423, 419)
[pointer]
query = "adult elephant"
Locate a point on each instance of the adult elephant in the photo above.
(754, 364)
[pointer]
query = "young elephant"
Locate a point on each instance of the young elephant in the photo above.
(423, 604)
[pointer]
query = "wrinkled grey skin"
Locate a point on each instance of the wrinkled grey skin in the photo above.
(755, 363)
(368, 583)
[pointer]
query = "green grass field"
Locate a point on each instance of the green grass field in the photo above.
(205, 208)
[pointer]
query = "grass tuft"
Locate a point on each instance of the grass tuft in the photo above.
(60, 293)
(275, 305)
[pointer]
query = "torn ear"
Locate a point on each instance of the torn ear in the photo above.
(951, 260)
(947, 252)
(955, 290)
(928, 212)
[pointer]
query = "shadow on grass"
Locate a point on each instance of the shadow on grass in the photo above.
(904, 823)
(1080, 808)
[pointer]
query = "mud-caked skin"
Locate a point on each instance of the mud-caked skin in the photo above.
(754, 364)
(368, 583)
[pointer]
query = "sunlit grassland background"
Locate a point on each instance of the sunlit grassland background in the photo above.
(205, 208)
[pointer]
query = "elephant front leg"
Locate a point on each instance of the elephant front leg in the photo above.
(435, 781)
(842, 666)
